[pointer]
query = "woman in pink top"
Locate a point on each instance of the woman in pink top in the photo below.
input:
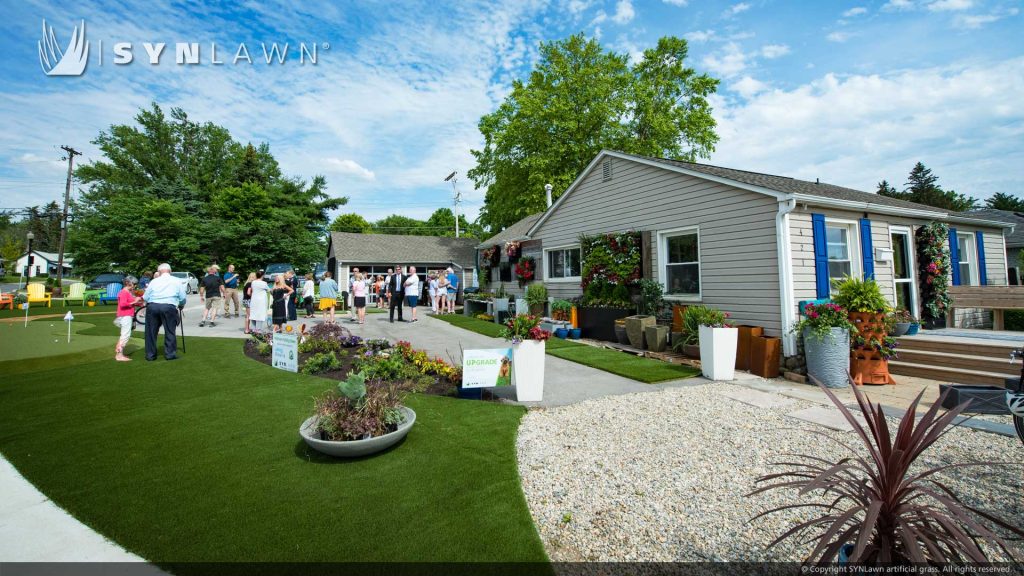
(359, 290)
(126, 302)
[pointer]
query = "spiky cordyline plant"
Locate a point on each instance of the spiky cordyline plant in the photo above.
(888, 514)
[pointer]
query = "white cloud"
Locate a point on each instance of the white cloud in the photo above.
(624, 12)
(855, 11)
(898, 6)
(962, 121)
(676, 2)
(729, 62)
(774, 50)
(950, 5)
(736, 9)
(577, 7)
(348, 167)
(838, 37)
(699, 35)
(748, 87)
(975, 21)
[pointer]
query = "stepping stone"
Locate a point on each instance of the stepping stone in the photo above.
(827, 417)
(807, 393)
(757, 399)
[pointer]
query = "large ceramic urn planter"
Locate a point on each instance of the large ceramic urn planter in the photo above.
(828, 358)
(528, 370)
(657, 338)
(356, 448)
(635, 326)
(718, 352)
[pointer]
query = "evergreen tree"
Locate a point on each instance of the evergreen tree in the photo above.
(922, 187)
(1003, 201)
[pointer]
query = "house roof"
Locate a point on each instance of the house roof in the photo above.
(783, 188)
(50, 256)
(1014, 239)
(517, 231)
(396, 248)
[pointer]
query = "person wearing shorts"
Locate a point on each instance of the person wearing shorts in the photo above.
(328, 296)
(126, 302)
(359, 290)
(211, 290)
(412, 291)
(453, 289)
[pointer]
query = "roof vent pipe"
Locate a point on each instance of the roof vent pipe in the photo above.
(817, 181)
(547, 191)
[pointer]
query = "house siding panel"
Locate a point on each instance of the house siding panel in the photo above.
(739, 263)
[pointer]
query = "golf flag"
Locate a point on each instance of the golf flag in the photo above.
(25, 306)
(68, 318)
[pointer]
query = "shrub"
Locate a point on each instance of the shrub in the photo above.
(359, 408)
(264, 349)
(313, 345)
(375, 345)
(620, 294)
(652, 296)
(858, 295)
(536, 295)
(821, 319)
(321, 362)
(694, 318)
(327, 331)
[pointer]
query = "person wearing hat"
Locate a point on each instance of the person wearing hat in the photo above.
(211, 291)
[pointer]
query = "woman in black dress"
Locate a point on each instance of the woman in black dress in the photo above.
(279, 307)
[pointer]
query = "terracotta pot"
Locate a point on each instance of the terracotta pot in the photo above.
(870, 371)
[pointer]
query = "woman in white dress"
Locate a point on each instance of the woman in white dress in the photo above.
(432, 289)
(259, 303)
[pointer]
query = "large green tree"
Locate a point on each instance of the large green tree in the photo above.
(923, 187)
(351, 222)
(581, 98)
(1004, 201)
(170, 189)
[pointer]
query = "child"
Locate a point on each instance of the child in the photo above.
(126, 302)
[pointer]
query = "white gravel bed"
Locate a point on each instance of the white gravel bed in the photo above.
(662, 476)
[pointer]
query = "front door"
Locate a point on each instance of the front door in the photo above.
(903, 270)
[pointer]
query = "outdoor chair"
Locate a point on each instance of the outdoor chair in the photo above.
(7, 300)
(37, 293)
(111, 294)
(76, 292)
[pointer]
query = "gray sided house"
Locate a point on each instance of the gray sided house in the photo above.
(1014, 241)
(375, 253)
(504, 275)
(752, 244)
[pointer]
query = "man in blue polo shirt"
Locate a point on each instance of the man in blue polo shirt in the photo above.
(163, 297)
(231, 290)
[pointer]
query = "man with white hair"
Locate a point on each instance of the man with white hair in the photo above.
(164, 295)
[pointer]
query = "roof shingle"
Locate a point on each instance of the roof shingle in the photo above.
(396, 248)
(516, 231)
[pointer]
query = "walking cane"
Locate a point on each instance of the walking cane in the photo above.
(181, 324)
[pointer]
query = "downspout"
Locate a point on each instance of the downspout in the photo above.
(785, 256)
(1006, 254)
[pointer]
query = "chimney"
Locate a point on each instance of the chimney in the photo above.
(547, 191)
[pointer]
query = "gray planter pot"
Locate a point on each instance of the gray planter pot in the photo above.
(657, 338)
(901, 329)
(355, 448)
(635, 326)
(828, 359)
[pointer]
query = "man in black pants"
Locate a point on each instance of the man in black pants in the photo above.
(396, 292)
(163, 297)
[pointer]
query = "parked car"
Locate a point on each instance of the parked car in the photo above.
(191, 282)
(102, 280)
(272, 271)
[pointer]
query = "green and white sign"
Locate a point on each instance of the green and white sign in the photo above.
(286, 352)
(487, 368)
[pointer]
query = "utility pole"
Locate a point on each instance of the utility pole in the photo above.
(58, 289)
(458, 198)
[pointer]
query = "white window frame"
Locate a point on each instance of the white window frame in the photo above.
(566, 279)
(662, 249)
(853, 235)
(972, 261)
(911, 263)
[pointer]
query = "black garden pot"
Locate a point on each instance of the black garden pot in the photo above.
(599, 323)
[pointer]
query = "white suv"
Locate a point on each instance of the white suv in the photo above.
(190, 281)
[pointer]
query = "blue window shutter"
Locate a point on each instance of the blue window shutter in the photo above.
(982, 275)
(820, 256)
(954, 256)
(866, 250)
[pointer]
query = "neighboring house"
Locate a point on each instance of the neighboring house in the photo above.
(504, 274)
(754, 244)
(43, 264)
(375, 253)
(1014, 241)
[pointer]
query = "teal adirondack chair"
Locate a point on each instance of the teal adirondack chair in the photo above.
(76, 293)
(112, 291)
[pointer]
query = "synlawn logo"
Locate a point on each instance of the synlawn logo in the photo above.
(73, 60)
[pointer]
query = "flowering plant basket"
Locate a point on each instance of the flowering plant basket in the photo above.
(524, 327)
(820, 319)
(526, 270)
(492, 256)
(513, 249)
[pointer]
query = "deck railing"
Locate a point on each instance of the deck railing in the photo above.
(994, 298)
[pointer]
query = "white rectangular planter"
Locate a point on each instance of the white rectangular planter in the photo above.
(528, 370)
(718, 352)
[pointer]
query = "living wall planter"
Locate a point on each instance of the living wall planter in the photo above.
(356, 448)
(718, 352)
(528, 370)
(635, 326)
(828, 358)
(599, 323)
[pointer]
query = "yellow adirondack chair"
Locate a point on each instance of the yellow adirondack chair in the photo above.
(37, 293)
(76, 293)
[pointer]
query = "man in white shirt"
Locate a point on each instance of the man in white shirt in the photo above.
(164, 296)
(412, 290)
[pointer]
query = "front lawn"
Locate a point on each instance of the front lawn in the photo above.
(200, 460)
(645, 370)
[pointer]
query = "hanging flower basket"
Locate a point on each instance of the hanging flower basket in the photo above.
(513, 250)
(526, 270)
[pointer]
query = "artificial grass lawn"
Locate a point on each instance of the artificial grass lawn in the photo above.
(48, 337)
(200, 460)
(645, 370)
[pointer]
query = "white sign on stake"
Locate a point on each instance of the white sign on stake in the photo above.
(486, 368)
(68, 318)
(285, 352)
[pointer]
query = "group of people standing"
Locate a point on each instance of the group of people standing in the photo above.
(401, 288)
(279, 301)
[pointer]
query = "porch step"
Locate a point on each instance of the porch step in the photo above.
(986, 348)
(939, 371)
(974, 362)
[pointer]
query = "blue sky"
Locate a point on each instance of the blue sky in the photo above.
(849, 92)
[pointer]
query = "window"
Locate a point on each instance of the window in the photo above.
(563, 263)
(680, 254)
(505, 272)
(968, 269)
(840, 250)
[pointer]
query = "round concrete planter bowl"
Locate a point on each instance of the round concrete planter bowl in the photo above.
(355, 448)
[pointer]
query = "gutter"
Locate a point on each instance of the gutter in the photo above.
(785, 256)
